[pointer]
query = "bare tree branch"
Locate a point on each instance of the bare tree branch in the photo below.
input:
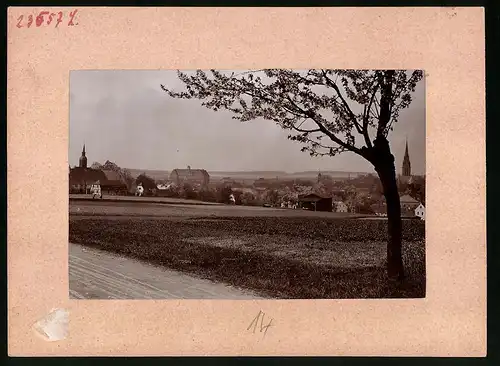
(344, 103)
(366, 117)
(288, 98)
(323, 129)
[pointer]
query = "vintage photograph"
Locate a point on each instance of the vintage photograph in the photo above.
(247, 184)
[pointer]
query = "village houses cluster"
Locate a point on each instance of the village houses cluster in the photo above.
(356, 193)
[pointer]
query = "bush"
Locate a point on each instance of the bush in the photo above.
(247, 198)
(208, 195)
(223, 193)
(188, 192)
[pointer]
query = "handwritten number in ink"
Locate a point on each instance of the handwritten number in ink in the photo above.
(59, 19)
(19, 20)
(51, 17)
(255, 322)
(72, 16)
(46, 17)
(40, 19)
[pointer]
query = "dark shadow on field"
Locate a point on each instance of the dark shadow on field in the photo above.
(281, 257)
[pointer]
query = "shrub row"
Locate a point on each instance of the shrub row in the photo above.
(312, 228)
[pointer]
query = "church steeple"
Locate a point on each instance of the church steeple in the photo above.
(406, 163)
(83, 159)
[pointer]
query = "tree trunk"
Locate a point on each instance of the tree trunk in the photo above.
(394, 255)
(384, 165)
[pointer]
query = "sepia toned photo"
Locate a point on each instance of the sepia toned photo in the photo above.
(247, 184)
(322, 206)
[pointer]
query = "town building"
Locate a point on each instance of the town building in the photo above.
(408, 205)
(315, 202)
(406, 176)
(113, 183)
(83, 159)
(81, 178)
(191, 176)
(420, 212)
(406, 169)
(340, 206)
(227, 181)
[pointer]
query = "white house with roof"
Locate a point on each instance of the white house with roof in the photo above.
(420, 211)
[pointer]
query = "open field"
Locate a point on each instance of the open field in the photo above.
(144, 209)
(278, 253)
(133, 199)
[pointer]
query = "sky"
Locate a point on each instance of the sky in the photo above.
(125, 117)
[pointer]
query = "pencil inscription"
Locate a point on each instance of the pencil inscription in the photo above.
(255, 322)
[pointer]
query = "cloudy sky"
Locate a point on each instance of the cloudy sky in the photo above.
(125, 117)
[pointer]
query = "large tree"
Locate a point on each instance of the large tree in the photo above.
(96, 165)
(327, 111)
(126, 176)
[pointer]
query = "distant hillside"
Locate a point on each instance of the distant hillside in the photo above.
(267, 174)
(155, 174)
(285, 175)
(248, 174)
(333, 173)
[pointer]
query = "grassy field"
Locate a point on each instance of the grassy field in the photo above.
(282, 257)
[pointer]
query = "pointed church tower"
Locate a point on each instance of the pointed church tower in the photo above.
(406, 163)
(83, 159)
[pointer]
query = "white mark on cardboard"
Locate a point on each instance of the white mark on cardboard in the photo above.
(54, 326)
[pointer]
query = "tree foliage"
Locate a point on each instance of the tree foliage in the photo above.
(124, 174)
(208, 195)
(96, 165)
(417, 191)
(223, 193)
(188, 192)
(248, 198)
(342, 107)
(147, 182)
(109, 165)
(272, 196)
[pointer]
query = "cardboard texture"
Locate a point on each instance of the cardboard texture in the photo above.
(448, 43)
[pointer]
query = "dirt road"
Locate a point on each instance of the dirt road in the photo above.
(95, 274)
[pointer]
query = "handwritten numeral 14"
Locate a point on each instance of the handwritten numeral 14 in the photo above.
(255, 322)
